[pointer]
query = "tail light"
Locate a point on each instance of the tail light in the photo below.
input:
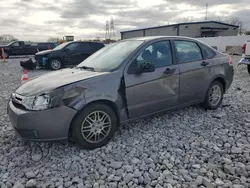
(230, 61)
(244, 48)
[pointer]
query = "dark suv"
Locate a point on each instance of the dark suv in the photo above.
(69, 53)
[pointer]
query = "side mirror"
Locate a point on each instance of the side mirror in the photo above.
(146, 67)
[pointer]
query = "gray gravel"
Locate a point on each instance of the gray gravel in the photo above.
(187, 148)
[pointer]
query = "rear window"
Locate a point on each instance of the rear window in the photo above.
(97, 45)
(187, 51)
(207, 52)
(83, 46)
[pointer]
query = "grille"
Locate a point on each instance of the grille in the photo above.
(17, 101)
(19, 106)
(17, 98)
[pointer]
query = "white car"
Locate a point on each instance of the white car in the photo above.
(245, 60)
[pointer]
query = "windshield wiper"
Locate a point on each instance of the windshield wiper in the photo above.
(87, 68)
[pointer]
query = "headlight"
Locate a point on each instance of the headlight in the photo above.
(40, 102)
(52, 99)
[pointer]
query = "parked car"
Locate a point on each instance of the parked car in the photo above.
(245, 55)
(69, 53)
(46, 46)
(122, 82)
(20, 48)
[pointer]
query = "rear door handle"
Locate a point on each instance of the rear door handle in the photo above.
(204, 63)
(169, 70)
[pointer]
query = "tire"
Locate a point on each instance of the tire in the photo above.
(55, 64)
(86, 139)
(248, 68)
(212, 105)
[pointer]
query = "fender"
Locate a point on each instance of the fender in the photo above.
(91, 92)
(221, 78)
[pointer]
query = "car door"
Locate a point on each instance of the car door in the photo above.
(16, 49)
(152, 92)
(85, 50)
(30, 49)
(195, 72)
(71, 53)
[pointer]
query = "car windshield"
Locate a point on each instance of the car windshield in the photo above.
(61, 46)
(11, 43)
(111, 56)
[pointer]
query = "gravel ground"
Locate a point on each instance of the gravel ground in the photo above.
(187, 148)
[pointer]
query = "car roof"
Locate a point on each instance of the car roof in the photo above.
(85, 42)
(159, 37)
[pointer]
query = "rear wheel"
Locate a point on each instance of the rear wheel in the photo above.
(94, 126)
(55, 64)
(248, 68)
(214, 96)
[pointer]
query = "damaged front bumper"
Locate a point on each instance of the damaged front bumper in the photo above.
(41, 61)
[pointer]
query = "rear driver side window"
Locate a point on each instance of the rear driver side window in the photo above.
(188, 51)
(207, 52)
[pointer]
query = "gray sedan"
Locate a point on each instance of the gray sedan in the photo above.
(124, 81)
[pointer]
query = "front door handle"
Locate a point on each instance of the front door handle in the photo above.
(169, 70)
(204, 63)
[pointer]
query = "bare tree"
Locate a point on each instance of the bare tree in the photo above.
(7, 38)
(54, 39)
(236, 21)
(231, 20)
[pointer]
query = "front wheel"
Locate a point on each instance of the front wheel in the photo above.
(248, 68)
(55, 64)
(94, 126)
(214, 96)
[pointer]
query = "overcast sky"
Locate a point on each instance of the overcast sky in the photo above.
(40, 19)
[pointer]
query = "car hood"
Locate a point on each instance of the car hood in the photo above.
(56, 79)
(44, 52)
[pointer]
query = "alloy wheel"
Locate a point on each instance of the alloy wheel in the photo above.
(215, 95)
(56, 64)
(96, 127)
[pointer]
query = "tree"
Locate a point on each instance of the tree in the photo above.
(236, 21)
(231, 20)
(7, 38)
(54, 39)
(247, 32)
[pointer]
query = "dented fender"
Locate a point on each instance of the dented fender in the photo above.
(98, 89)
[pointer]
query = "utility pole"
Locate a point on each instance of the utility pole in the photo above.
(107, 31)
(112, 29)
(206, 11)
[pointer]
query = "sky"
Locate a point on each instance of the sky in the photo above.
(37, 20)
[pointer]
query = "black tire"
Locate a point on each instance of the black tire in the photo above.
(248, 68)
(76, 126)
(52, 64)
(207, 104)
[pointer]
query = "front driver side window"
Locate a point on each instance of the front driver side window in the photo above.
(16, 44)
(159, 54)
